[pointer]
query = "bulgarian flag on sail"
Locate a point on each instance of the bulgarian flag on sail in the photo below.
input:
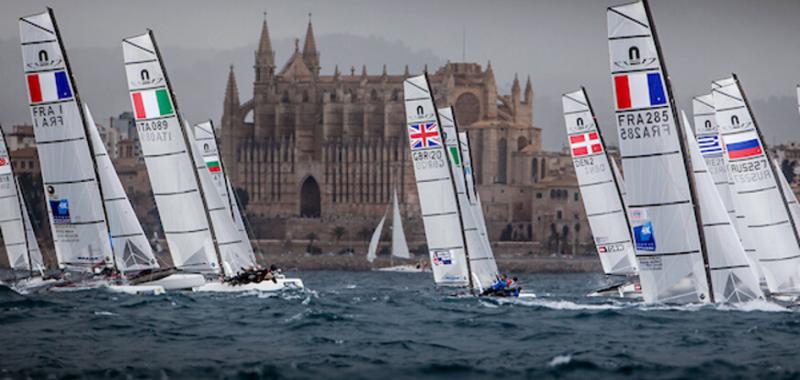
(148, 104)
(212, 163)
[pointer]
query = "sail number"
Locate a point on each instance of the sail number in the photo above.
(753, 171)
(156, 130)
(644, 124)
(428, 159)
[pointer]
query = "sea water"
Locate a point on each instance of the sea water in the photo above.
(372, 325)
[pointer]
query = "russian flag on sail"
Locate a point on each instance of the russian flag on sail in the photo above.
(639, 90)
(743, 145)
(151, 103)
(48, 87)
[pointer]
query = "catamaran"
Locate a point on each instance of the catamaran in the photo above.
(399, 244)
(661, 195)
(601, 190)
(19, 239)
(759, 194)
(199, 229)
(77, 213)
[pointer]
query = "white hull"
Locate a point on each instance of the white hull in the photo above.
(263, 286)
(625, 290)
(179, 281)
(80, 285)
(137, 289)
(403, 269)
(33, 284)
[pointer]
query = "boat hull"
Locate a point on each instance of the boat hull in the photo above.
(621, 290)
(402, 269)
(138, 289)
(263, 286)
(179, 281)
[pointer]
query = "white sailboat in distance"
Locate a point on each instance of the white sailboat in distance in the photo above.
(399, 247)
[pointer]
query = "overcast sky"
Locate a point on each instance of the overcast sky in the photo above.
(560, 44)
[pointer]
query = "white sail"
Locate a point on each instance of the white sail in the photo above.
(74, 203)
(732, 276)
(602, 196)
(12, 226)
(438, 204)
(34, 253)
(372, 251)
(206, 139)
(131, 248)
(472, 192)
(232, 249)
(789, 196)
(659, 194)
(170, 168)
(399, 244)
(481, 259)
(620, 179)
(757, 197)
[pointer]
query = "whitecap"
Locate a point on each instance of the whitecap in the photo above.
(105, 313)
(559, 360)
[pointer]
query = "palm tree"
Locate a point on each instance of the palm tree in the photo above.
(339, 232)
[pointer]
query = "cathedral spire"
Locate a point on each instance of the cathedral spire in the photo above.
(310, 53)
(515, 85)
(231, 92)
(265, 56)
(528, 91)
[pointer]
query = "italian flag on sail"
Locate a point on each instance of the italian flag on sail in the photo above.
(212, 163)
(148, 104)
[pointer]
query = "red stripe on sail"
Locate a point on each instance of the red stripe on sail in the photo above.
(576, 139)
(138, 105)
(580, 151)
(623, 92)
(34, 88)
(597, 148)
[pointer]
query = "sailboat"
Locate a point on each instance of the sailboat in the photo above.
(483, 268)
(441, 217)
(77, 213)
(399, 244)
(199, 230)
(661, 195)
(19, 239)
(758, 191)
(602, 194)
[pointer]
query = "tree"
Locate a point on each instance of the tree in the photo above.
(243, 196)
(787, 167)
(339, 232)
(364, 234)
(311, 238)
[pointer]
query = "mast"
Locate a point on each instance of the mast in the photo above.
(190, 149)
(769, 159)
(82, 114)
(686, 162)
(453, 183)
(608, 161)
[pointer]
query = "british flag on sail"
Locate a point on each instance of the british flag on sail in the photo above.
(585, 143)
(709, 145)
(424, 135)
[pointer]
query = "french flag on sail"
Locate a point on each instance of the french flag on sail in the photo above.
(48, 87)
(639, 90)
(743, 145)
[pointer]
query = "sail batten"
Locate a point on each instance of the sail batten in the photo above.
(69, 174)
(598, 181)
(660, 195)
(438, 203)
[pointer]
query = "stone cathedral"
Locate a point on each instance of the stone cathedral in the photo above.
(316, 151)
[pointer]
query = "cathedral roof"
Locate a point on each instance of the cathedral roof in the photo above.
(296, 67)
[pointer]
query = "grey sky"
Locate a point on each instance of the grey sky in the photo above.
(560, 44)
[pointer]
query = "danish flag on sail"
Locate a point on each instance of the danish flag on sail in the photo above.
(585, 143)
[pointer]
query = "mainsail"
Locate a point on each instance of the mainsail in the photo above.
(36, 261)
(232, 249)
(481, 260)
(372, 250)
(74, 202)
(733, 279)
(758, 195)
(130, 245)
(435, 188)
(788, 195)
(660, 195)
(399, 244)
(472, 193)
(599, 186)
(206, 139)
(21, 247)
(174, 180)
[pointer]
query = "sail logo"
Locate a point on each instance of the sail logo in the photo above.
(743, 145)
(442, 258)
(644, 236)
(151, 103)
(634, 60)
(424, 135)
(44, 61)
(146, 80)
(586, 143)
(60, 210)
(48, 87)
(639, 90)
(5, 166)
(709, 145)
